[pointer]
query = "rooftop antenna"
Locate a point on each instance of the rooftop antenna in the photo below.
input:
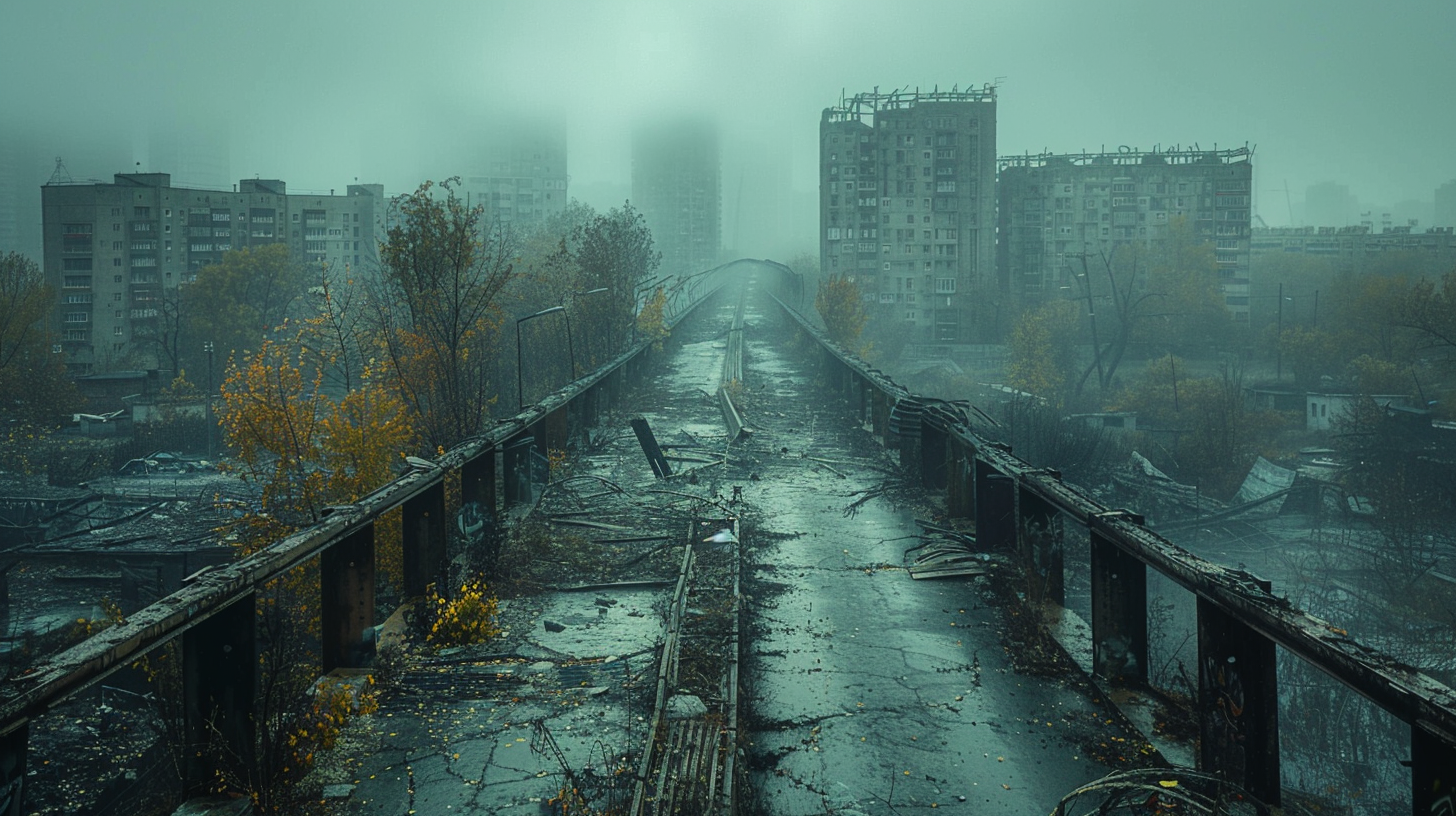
(61, 174)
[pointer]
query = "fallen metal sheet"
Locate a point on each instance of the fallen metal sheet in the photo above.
(948, 563)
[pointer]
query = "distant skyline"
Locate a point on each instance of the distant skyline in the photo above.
(323, 92)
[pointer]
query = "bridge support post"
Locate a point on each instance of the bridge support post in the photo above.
(516, 468)
(346, 582)
(933, 450)
(14, 747)
(1433, 773)
(1238, 702)
(995, 508)
(554, 430)
(880, 415)
(424, 541)
(960, 499)
(1039, 540)
(219, 670)
(1119, 613)
(478, 507)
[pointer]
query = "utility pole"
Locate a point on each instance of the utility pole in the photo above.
(1092, 318)
(1278, 338)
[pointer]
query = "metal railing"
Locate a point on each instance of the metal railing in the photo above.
(1022, 509)
(213, 613)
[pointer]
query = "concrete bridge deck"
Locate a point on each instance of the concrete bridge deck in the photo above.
(865, 691)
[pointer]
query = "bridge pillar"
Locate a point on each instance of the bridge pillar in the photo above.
(587, 413)
(1238, 702)
(219, 671)
(554, 431)
(1433, 773)
(862, 401)
(424, 541)
(960, 499)
(1039, 540)
(477, 520)
(516, 467)
(933, 456)
(880, 415)
(1119, 613)
(346, 581)
(14, 746)
(995, 508)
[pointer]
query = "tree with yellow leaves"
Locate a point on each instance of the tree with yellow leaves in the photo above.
(652, 320)
(842, 308)
(304, 451)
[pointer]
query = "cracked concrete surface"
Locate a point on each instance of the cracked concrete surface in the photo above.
(865, 692)
(873, 693)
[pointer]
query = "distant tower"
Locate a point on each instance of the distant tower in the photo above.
(1328, 204)
(677, 186)
(1446, 204)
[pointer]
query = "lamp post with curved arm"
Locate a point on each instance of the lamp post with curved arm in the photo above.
(520, 358)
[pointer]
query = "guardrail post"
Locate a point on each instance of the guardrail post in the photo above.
(219, 670)
(1433, 773)
(554, 430)
(960, 499)
(424, 540)
(516, 467)
(1039, 540)
(1119, 613)
(587, 413)
(880, 415)
(861, 400)
(995, 508)
(933, 450)
(1238, 702)
(346, 581)
(14, 745)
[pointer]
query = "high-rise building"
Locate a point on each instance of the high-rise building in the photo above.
(195, 154)
(1328, 204)
(518, 176)
(907, 206)
(114, 251)
(1445, 215)
(677, 186)
(1056, 208)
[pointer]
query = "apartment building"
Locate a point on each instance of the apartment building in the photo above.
(907, 206)
(1055, 208)
(114, 251)
(677, 186)
(520, 177)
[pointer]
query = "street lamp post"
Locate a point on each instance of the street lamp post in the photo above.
(211, 420)
(520, 387)
(569, 347)
(1279, 338)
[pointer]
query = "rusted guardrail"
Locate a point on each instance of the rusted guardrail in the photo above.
(1022, 509)
(214, 613)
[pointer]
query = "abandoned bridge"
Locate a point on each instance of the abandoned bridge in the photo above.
(816, 592)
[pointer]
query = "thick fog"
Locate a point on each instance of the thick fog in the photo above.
(322, 92)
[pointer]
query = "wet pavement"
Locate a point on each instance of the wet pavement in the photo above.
(870, 692)
(864, 692)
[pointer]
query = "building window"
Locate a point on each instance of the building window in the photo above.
(117, 331)
(77, 317)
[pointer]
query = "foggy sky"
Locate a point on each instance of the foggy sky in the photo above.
(320, 92)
